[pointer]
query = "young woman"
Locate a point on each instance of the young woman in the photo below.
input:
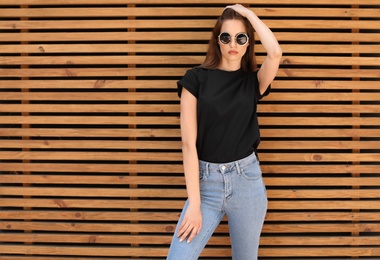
(220, 135)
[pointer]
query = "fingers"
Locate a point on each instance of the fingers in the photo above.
(191, 224)
(235, 6)
(188, 231)
(193, 233)
(238, 8)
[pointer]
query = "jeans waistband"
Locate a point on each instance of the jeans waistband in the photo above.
(208, 166)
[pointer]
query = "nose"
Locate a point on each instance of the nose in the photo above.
(233, 42)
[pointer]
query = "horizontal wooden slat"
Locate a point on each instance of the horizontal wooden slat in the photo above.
(173, 216)
(226, 2)
(314, 182)
(172, 96)
(156, 156)
(102, 144)
(98, 239)
(331, 169)
(319, 251)
(114, 180)
(322, 216)
(208, 252)
(333, 133)
(8, 257)
(100, 96)
(337, 108)
(157, 133)
(123, 180)
(125, 72)
(98, 48)
(97, 215)
(147, 108)
(168, 193)
(117, 120)
(167, 228)
(178, 36)
(171, 84)
(100, 204)
(86, 227)
(163, 24)
(90, 144)
(162, 239)
(174, 120)
(88, 84)
(76, 60)
(179, 11)
(143, 108)
(88, 132)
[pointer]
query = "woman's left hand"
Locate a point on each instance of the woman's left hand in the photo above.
(243, 11)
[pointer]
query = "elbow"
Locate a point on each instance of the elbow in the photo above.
(276, 53)
(188, 147)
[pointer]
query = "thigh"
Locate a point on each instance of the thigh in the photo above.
(191, 251)
(246, 212)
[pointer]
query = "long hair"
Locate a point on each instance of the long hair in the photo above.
(214, 55)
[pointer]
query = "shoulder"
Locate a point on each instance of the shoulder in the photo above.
(195, 75)
(198, 71)
(192, 80)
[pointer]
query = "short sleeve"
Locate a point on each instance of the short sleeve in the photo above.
(189, 81)
(257, 87)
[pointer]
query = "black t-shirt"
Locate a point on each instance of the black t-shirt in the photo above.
(228, 128)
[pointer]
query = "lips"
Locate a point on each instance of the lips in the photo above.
(232, 52)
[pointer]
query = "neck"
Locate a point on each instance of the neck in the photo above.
(229, 66)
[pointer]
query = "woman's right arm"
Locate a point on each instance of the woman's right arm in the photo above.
(192, 222)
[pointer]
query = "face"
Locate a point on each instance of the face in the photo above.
(232, 52)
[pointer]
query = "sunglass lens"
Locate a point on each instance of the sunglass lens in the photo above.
(225, 38)
(242, 39)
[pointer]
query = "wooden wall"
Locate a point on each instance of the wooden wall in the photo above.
(90, 156)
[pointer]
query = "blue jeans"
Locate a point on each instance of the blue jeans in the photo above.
(235, 189)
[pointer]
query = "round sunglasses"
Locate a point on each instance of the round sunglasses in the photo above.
(240, 38)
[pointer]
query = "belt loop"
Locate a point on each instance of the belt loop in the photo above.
(207, 170)
(237, 167)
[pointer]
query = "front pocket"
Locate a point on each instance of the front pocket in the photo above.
(252, 171)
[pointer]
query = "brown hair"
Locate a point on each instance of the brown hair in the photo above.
(214, 55)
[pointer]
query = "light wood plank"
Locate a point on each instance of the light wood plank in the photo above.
(181, 193)
(167, 228)
(90, 144)
(177, 156)
(175, 72)
(176, 145)
(71, 48)
(157, 24)
(15, 168)
(90, 132)
(174, 120)
(173, 216)
(150, 180)
(148, 2)
(162, 239)
(172, 96)
(178, 36)
(168, 11)
(157, 133)
(102, 120)
(159, 108)
(171, 84)
(150, 60)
